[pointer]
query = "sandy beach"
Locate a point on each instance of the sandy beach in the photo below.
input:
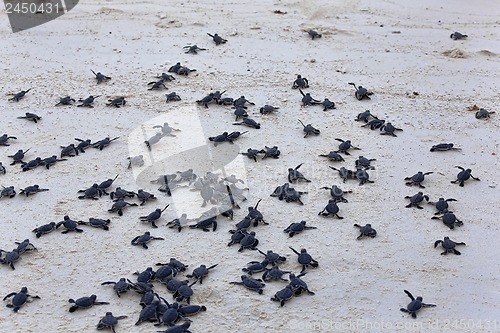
(422, 82)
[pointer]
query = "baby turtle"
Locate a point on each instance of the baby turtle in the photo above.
(119, 287)
(18, 156)
(145, 276)
(191, 309)
(5, 138)
(300, 82)
(366, 231)
(416, 199)
(200, 272)
(193, 49)
(448, 245)
(152, 217)
(106, 184)
(87, 102)
(166, 129)
(205, 100)
(109, 322)
(7, 192)
(333, 156)
(449, 220)
(217, 39)
(31, 116)
(363, 162)
(166, 77)
(104, 142)
(249, 122)
(172, 97)
(20, 299)
(219, 138)
(178, 223)
(50, 161)
(251, 283)
(20, 95)
(309, 129)
(32, 190)
(295, 175)
(442, 205)
(84, 303)
(255, 267)
(240, 113)
(344, 173)
(363, 176)
(241, 101)
(337, 193)
(415, 305)
(296, 228)
(273, 152)
(184, 292)
(183, 70)
(331, 209)
(97, 223)
(65, 101)
(44, 229)
(248, 242)
(328, 105)
(100, 77)
(307, 99)
(483, 113)
(463, 175)
(417, 179)
(149, 313)
(374, 124)
(255, 215)
(144, 196)
(457, 35)
(273, 257)
(365, 116)
(345, 146)
(305, 259)
(10, 258)
(182, 328)
(119, 205)
(25, 246)
(91, 192)
(444, 147)
(144, 239)
(30, 165)
(153, 140)
(69, 150)
(389, 129)
(361, 92)
(298, 285)
(117, 102)
(157, 85)
(313, 34)
(283, 295)
(137, 161)
(266, 109)
(69, 225)
(252, 153)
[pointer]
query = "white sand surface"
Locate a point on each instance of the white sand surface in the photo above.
(394, 48)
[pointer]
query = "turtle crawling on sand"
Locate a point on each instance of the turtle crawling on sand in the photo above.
(463, 175)
(457, 35)
(448, 245)
(415, 305)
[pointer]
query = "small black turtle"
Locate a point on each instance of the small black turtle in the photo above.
(241, 101)
(175, 68)
(295, 175)
(200, 272)
(20, 95)
(255, 267)
(193, 49)
(344, 173)
(249, 242)
(297, 227)
(283, 295)
(178, 223)
(97, 223)
(69, 225)
(228, 101)
(374, 124)
(266, 109)
(205, 100)
(183, 70)
(7, 192)
(191, 309)
(389, 129)
(65, 101)
(463, 175)
(166, 77)
(30, 165)
(69, 150)
(249, 122)
(361, 92)
(444, 147)
(149, 313)
(273, 152)
(137, 161)
(442, 205)
(109, 322)
(100, 77)
(144, 196)
(449, 219)
(84, 303)
(273, 257)
(32, 190)
(307, 99)
(253, 153)
(255, 215)
(153, 216)
(119, 205)
(416, 199)
(300, 82)
(298, 285)
(415, 305)
(182, 328)
(363, 176)
(313, 34)
(117, 102)
(104, 142)
(328, 105)
(172, 97)
(309, 129)
(31, 116)
(274, 274)
(333, 156)
(448, 245)
(363, 162)
(184, 292)
(20, 298)
(305, 259)
(217, 39)
(146, 276)
(457, 35)
(50, 161)
(290, 194)
(337, 193)
(251, 283)
(83, 144)
(219, 138)
(154, 140)
(18, 156)
(10, 258)
(345, 146)
(483, 113)
(366, 231)
(91, 193)
(5, 138)
(365, 116)
(144, 239)
(331, 209)
(417, 179)
(87, 102)
(157, 85)
(25, 246)
(44, 229)
(240, 113)
(106, 184)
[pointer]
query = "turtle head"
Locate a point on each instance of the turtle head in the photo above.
(419, 298)
(24, 290)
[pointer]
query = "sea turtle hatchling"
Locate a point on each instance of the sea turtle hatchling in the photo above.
(172, 97)
(255, 267)
(252, 153)
(144, 239)
(101, 144)
(417, 179)
(166, 77)
(31, 116)
(166, 129)
(309, 129)
(84, 303)
(444, 147)
(361, 92)
(20, 298)
(87, 102)
(178, 223)
(297, 227)
(20, 95)
(249, 123)
(251, 283)
(44, 229)
(300, 82)
(307, 99)
(442, 205)
(206, 100)
(336, 193)
(157, 85)
(240, 113)
(365, 116)
(389, 129)
(249, 241)
(106, 184)
(119, 205)
(97, 223)
(119, 287)
(100, 77)
(67, 100)
(313, 34)
(273, 257)
(241, 101)
(483, 113)
(416, 199)
(217, 39)
(10, 258)
(153, 140)
(331, 209)
(25, 246)
(328, 105)
(305, 259)
(200, 272)
(273, 152)
(50, 161)
(457, 35)
(415, 305)
(69, 150)
(267, 109)
(153, 216)
(8, 191)
(92, 192)
(18, 156)
(5, 138)
(182, 328)
(449, 219)
(448, 245)
(463, 175)
(69, 225)
(344, 173)
(295, 175)
(374, 124)
(345, 145)
(283, 295)
(363, 162)
(333, 156)
(183, 70)
(144, 196)
(117, 102)
(137, 161)
(109, 322)
(30, 165)
(255, 215)
(298, 285)
(366, 231)
(193, 49)
(32, 190)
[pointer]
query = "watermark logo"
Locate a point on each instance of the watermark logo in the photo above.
(26, 14)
